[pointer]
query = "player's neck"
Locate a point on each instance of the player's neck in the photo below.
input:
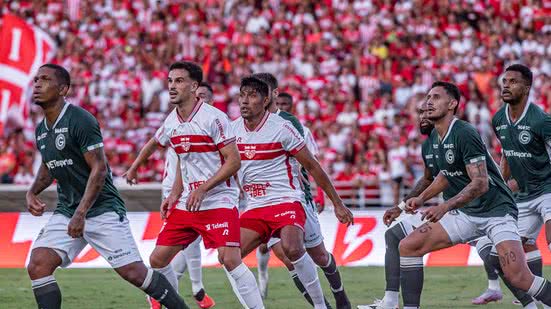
(272, 108)
(251, 124)
(185, 109)
(515, 111)
(442, 125)
(52, 111)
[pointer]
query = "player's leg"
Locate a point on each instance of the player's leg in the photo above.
(313, 241)
(493, 293)
(292, 242)
(52, 248)
(530, 222)
(110, 235)
(179, 264)
(193, 261)
(262, 258)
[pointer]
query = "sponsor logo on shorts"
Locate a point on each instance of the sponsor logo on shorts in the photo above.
(291, 213)
(60, 142)
(118, 255)
(215, 226)
(524, 137)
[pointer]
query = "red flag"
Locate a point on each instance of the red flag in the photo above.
(23, 50)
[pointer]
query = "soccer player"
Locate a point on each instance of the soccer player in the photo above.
(190, 258)
(204, 93)
(204, 195)
(313, 238)
(267, 144)
(89, 209)
(524, 131)
(480, 203)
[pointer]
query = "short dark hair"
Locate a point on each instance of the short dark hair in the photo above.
(268, 78)
(62, 75)
(257, 84)
(286, 95)
(451, 89)
(194, 70)
(523, 70)
(206, 85)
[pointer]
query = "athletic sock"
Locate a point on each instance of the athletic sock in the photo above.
(263, 259)
(541, 290)
(308, 275)
(169, 274)
(494, 285)
(521, 296)
(247, 287)
(179, 264)
(300, 286)
(535, 263)
(157, 286)
(334, 277)
(391, 299)
(233, 285)
(393, 236)
(411, 280)
(47, 292)
(193, 261)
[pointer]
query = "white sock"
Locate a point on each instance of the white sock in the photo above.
(537, 284)
(306, 271)
(147, 280)
(234, 288)
(247, 287)
(193, 261)
(170, 275)
(179, 264)
(263, 259)
(494, 285)
(391, 298)
(43, 281)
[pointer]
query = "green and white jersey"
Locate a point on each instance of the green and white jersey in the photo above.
(460, 146)
(62, 148)
(527, 147)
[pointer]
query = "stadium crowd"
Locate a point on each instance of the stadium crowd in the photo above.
(354, 68)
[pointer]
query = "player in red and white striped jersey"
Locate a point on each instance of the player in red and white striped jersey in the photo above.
(268, 146)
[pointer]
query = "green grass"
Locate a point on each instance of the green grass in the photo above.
(102, 288)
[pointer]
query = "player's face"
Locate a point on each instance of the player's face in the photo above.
(513, 88)
(251, 103)
(46, 86)
(439, 103)
(204, 94)
(425, 124)
(180, 86)
(284, 104)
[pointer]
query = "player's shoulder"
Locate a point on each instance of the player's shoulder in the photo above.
(537, 113)
(79, 117)
(499, 116)
(465, 130)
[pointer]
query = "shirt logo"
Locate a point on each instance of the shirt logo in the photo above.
(60, 142)
(450, 158)
(186, 144)
(524, 137)
(250, 151)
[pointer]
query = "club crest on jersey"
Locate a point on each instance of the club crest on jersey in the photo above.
(186, 143)
(60, 142)
(524, 137)
(450, 158)
(250, 151)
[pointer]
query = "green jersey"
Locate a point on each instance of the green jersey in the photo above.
(62, 148)
(463, 145)
(526, 145)
(429, 160)
(304, 182)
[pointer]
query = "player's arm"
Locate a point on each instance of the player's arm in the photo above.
(437, 186)
(175, 192)
(150, 147)
(307, 160)
(42, 181)
(232, 163)
(504, 168)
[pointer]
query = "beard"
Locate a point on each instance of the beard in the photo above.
(426, 130)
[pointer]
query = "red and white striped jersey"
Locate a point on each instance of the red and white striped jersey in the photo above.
(197, 141)
(269, 174)
(171, 160)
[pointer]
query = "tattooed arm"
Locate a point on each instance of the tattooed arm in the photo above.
(421, 184)
(477, 187)
(504, 168)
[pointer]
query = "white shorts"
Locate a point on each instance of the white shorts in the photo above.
(312, 229)
(106, 233)
(411, 222)
(532, 215)
(462, 228)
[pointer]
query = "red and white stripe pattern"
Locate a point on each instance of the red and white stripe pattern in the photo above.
(197, 141)
(269, 173)
(73, 7)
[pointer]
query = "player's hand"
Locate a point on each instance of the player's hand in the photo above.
(391, 215)
(344, 214)
(166, 206)
(76, 226)
(35, 206)
(195, 199)
(513, 185)
(413, 204)
(435, 213)
(131, 176)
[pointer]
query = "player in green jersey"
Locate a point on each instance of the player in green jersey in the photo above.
(480, 204)
(89, 209)
(524, 131)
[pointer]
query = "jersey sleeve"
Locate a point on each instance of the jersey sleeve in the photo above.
(291, 139)
(471, 146)
(310, 142)
(221, 132)
(87, 133)
(162, 135)
(543, 128)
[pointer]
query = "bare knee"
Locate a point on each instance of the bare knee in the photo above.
(319, 255)
(293, 251)
(263, 248)
(411, 247)
(519, 279)
(43, 262)
(134, 273)
(157, 261)
(230, 259)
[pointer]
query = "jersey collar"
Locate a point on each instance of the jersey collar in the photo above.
(449, 130)
(519, 118)
(63, 110)
(260, 124)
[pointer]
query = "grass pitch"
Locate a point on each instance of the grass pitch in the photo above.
(102, 288)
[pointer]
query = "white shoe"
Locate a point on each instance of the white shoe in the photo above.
(377, 304)
(263, 284)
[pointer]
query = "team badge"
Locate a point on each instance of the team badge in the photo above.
(524, 137)
(450, 158)
(186, 143)
(60, 142)
(250, 151)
